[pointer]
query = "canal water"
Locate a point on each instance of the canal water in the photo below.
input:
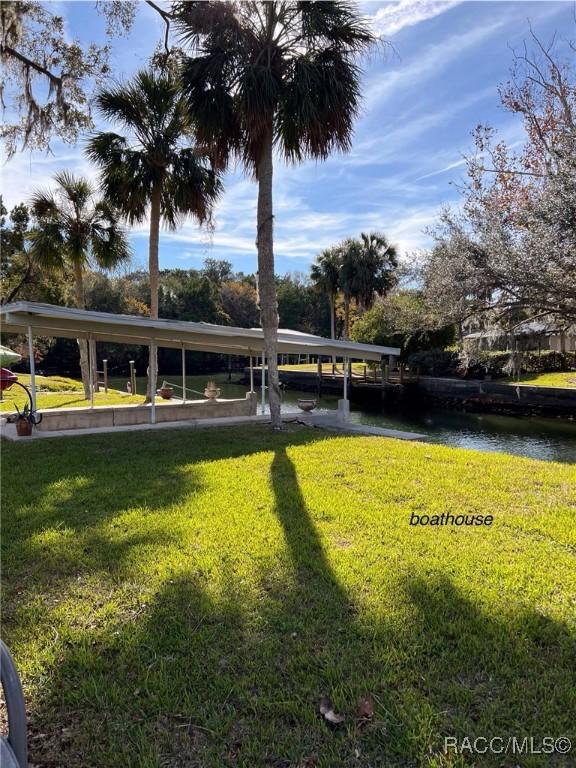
(536, 437)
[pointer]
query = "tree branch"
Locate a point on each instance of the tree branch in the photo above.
(54, 79)
(166, 18)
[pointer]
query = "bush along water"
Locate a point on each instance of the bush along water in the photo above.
(496, 364)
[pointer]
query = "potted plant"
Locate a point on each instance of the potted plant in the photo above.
(165, 391)
(212, 391)
(306, 404)
(25, 419)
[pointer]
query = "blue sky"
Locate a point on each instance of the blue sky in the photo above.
(422, 100)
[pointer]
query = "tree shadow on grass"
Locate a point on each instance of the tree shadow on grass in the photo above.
(81, 486)
(224, 675)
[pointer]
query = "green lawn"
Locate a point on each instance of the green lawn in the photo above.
(556, 379)
(186, 598)
(62, 392)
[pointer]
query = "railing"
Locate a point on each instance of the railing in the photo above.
(184, 391)
(16, 752)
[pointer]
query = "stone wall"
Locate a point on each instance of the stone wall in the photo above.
(129, 415)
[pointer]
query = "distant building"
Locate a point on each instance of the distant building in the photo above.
(529, 336)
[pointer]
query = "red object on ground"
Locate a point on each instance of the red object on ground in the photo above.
(7, 378)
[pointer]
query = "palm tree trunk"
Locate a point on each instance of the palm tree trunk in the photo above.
(92, 348)
(154, 271)
(346, 316)
(266, 283)
(153, 250)
(82, 343)
(332, 301)
(332, 316)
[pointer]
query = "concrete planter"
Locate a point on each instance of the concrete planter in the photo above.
(306, 405)
(212, 392)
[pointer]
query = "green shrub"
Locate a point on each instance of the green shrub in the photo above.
(435, 362)
(480, 363)
(499, 364)
(548, 361)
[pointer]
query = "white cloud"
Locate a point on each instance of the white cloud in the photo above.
(27, 171)
(406, 13)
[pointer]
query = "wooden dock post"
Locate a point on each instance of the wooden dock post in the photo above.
(132, 378)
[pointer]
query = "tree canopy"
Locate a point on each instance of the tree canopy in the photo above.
(48, 78)
(510, 253)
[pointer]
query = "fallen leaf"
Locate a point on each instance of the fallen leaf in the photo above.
(365, 708)
(327, 712)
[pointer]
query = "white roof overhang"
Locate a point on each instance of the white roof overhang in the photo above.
(67, 322)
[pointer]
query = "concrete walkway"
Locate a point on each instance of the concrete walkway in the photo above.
(333, 424)
(9, 430)
(328, 422)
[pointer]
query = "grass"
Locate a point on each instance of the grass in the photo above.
(187, 600)
(62, 392)
(555, 379)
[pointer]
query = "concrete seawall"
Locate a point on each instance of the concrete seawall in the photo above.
(488, 394)
(473, 393)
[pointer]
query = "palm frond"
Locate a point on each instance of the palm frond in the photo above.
(72, 225)
(191, 189)
(294, 63)
(130, 171)
(76, 189)
(325, 271)
(126, 177)
(212, 106)
(47, 246)
(43, 204)
(338, 24)
(320, 100)
(109, 244)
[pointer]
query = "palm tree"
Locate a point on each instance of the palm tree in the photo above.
(153, 171)
(265, 75)
(75, 230)
(368, 267)
(375, 269)
(349, 279)
(325, 274)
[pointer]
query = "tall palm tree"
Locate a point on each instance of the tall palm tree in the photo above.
(272, 74)
(349, 277)
(368, 269)
(325, 274)
(375, 268)
(75, 230)
(153, 170)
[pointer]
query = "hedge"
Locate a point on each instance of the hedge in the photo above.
(438, 362)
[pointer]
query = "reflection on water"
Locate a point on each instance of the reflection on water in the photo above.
(539, 438)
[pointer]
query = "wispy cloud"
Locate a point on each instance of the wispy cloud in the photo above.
(393, 17)
(446, 168)
(27, 171)
(426, 64)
